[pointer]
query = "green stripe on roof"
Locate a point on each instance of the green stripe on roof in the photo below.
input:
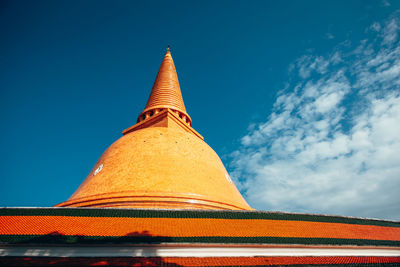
(68, 239)
(137, 213)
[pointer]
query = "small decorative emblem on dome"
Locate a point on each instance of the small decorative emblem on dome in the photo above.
(228, 177)
(98, 169)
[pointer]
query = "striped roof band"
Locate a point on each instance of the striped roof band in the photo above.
(83, 225)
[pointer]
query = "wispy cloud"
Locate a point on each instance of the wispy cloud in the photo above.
(332, 142)
(329, 36)
(386, 3)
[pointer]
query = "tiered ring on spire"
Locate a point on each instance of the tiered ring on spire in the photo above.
(166, 93)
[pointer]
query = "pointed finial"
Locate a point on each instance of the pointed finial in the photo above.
(166, 92)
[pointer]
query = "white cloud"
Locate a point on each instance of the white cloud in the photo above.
(329, 35)
(386, 3)
(390, 32)
(376, 26)
(332, 143)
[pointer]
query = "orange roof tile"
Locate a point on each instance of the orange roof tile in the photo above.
(197, 226)
(133, 237)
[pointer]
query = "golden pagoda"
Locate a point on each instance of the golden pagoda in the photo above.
(161, 162)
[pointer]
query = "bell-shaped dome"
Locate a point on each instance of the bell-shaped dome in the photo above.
(160, 163)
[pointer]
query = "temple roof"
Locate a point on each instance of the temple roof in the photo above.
(134, 237)
(192, 226)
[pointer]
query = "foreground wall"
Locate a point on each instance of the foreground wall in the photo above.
(128, 237)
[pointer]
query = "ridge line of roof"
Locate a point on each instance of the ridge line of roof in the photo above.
(175, 213)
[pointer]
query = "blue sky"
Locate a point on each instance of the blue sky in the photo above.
(299, 98)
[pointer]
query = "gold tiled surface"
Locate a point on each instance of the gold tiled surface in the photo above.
(159, 167)
(164, 118)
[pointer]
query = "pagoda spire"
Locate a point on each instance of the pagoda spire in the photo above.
(166, 92)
